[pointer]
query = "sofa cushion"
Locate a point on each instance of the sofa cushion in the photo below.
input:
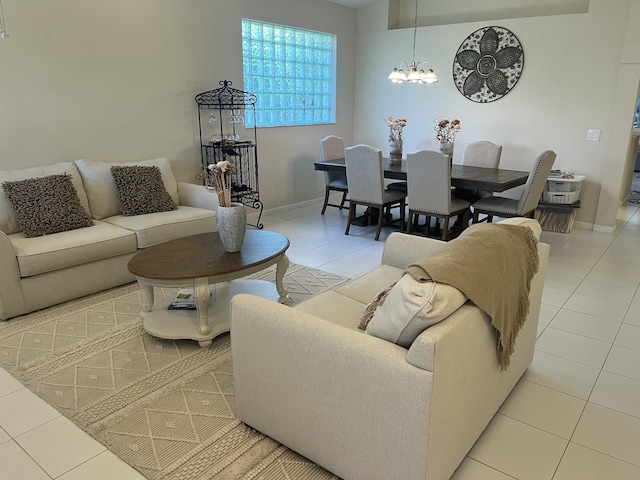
(8, 221)
(140, 190)
(334, 308)
(45, 205)
(411, 307)
(154, 228)
(364, 288)
(66, 249)
(101, 187)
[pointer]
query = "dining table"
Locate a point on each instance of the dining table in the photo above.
(462, 176)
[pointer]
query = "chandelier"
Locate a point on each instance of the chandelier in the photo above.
(3, 30)
(413, 72)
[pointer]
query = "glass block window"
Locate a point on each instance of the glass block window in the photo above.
(291, 71)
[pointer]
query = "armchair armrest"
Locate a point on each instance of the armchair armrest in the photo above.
(11, 298)
(328, 392)
(192, 195)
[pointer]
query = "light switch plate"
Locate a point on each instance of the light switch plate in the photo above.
(593, 135)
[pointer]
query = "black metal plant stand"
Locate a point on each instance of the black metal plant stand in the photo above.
(223, 115)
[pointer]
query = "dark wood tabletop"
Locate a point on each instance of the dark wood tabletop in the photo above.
(462, 176)
(204, 256)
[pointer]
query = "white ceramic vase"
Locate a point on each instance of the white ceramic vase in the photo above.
(232, 225)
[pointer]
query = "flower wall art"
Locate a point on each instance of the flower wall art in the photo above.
(488, 64)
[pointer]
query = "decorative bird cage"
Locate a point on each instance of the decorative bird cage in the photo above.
(223, 116)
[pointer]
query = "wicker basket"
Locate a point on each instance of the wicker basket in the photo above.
(562, 190)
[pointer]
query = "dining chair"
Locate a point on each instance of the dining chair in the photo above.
(425, 144)
(482, 154)
(479, 154)
(526, 205)
(429, 190)
(332, 148)
(365, 174)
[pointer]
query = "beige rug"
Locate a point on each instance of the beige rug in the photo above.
(165, 407)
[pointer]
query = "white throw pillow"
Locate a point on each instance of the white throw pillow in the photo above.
(411, 307)
(101, 188)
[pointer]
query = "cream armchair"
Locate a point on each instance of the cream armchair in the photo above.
(362, 407)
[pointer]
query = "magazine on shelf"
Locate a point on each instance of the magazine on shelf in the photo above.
(185, 299)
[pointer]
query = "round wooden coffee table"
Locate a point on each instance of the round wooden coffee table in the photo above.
(200, 262)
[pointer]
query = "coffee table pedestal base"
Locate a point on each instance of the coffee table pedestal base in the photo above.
(185, 324)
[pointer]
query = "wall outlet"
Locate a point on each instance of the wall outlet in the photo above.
(593, 135)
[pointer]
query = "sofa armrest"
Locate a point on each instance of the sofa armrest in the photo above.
(401, 249)
(192, 195)
(328, 392)
(12, 300)
(468, 385)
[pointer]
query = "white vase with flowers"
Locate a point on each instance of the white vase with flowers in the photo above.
(446, 131)
(231, 217)
(396, 124)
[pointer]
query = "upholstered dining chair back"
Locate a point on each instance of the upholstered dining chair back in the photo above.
(536, 181)
(429, 181)
(482, 154)
(429, 190)
(526, 205)
(365, 174)
(332, 148)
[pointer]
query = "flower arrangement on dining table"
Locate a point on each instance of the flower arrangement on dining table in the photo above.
(396, 124)
(446, 130)
(218, 178)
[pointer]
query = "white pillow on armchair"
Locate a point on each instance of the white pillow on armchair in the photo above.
(411, 307)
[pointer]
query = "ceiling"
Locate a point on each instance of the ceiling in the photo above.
(352, 3)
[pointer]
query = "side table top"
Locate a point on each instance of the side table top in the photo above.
(204, 256)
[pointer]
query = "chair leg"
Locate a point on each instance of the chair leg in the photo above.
(344, 198)
(352, 214)
(427, 225)
(465, 219)
(380, 217)
(445, 228)
(410, 222)
(326, 200)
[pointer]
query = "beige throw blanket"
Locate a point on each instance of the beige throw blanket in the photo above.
(493, 265)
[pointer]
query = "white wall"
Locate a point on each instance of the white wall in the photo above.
(569, 83)
(116, 81)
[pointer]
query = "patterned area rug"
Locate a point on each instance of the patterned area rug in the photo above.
(165, 407)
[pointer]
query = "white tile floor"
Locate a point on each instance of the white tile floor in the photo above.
(575, 415)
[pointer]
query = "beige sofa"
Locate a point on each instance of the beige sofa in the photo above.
(38, 272)
(367, 408)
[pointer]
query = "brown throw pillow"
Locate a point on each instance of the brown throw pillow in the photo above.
(45, 205)
(141, 190)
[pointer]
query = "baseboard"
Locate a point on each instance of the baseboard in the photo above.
(584, 225)
(603, 229)
(253, 217)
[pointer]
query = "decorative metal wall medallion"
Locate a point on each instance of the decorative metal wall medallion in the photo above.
(488, 64)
